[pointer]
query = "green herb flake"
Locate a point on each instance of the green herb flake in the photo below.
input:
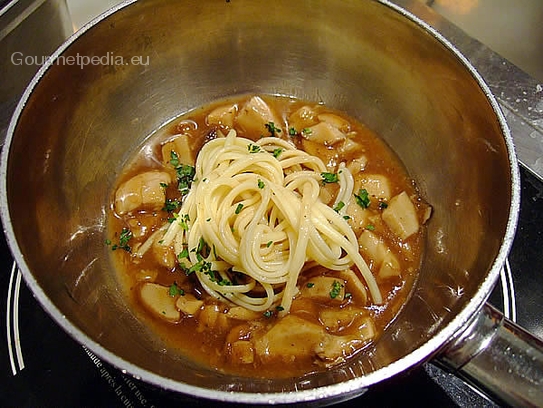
(336, 289)
(328, 178)
(339, 206)
(211, 275)
(203, 248)
(279, 308)
(382, 205)
(272, 129)
(225, 282)
(239, 208)
(253, 148)
(277, 152)
(175, 290)
(108, 242)
(260, 184)
(201, 266)
(184, 268)
(370, 227)
(310, 284)
(307, 131)
(174, 159)
(183, 254)
(268, 313)
(125, 236)
(363, 198)
(164, 185)
(269, 244)
(292, 132)
(171, 205)
(183, 221)
(185, 177)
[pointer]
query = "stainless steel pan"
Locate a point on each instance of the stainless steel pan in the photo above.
(78, 123)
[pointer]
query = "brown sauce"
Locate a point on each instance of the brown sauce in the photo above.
(215, 339)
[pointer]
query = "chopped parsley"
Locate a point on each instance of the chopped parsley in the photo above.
(183, 254)
(202, 249)
(211, 275)
(277, 152)
(370, 227)
(125, 236)
(171, 205)
(185, 177)
(200, 266)
(185, 173)
(214, 276)
(183, 221)
(382, 205)
(336, 289)
(239, 208)
(260, 184)
(307, 131)
(272, 129)
(310, 284)
(339, 206)
(269, 244)
(176, 290)
(268, 313)
(363, 198)
(253, 148)
(328, 178)
(292, 132)
(174, 159)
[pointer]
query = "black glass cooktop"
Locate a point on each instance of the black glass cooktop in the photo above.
(42, 366)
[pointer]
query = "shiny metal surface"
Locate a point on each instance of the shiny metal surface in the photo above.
(500, 357)
(513, 29)
(520, 96)
(27, 28)
(76, 127)
(493, 35)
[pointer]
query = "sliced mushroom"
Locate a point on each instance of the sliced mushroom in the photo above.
(253, 118)
(401, 216)
(156, 298)
(143, 191)
(189, 304)
(181, 145)
(223, 116)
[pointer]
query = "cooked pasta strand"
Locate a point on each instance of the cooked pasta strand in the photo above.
(256, 204)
